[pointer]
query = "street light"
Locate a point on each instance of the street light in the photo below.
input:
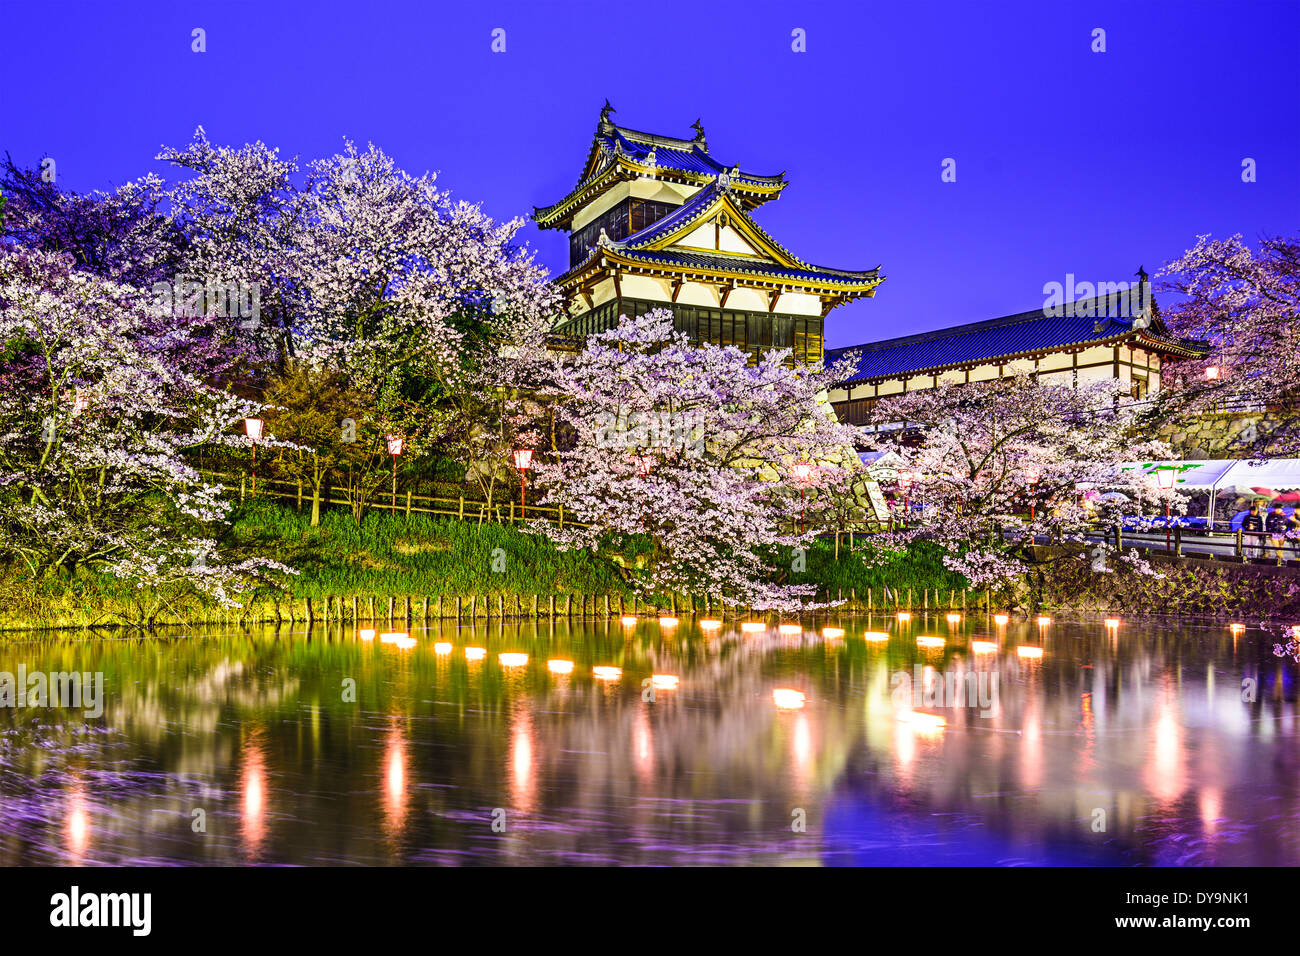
(802, 472)
(395, 445)
(253, 429)
(523, 461)
(1165, 481)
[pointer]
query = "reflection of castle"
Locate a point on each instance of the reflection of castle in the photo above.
(657, 222)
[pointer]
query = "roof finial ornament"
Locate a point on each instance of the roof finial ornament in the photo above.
(699, 132)
(604, 113)
(1141, 274)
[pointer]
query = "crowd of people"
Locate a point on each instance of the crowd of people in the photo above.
(1265, 528)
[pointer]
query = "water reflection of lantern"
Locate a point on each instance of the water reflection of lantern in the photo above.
(875, 636)
(668, 622)
(1112, 623)
(628, 620)
(606, 672)
(1237, 628)
(790, 628)
(1000, 618)
(922, 721)
(752, 626)
(983, 647)
(78, 822)
(475, 653)
(366, 633)
(787, 699)
(442, 647)
(664, 681)
(953, 618)
(560, 666)
(512, 659)
(926, 640)
(709, 624)
(1029, 650)
(1044, 621)
(832, 632)
(904, 616)
(399, 639)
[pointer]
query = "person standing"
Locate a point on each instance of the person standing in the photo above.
(1252, 528)
(1275, 524)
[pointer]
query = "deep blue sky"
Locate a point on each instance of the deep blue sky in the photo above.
(1067, 160)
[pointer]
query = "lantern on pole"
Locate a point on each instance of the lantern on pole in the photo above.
(643, 465)
(1211, 373)
(395, 445)
(523, 461)
(253, 429)
(1031, 476)
(905, 481)
(1165, 477)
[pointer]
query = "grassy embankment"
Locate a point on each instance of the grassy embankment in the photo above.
(420, 557)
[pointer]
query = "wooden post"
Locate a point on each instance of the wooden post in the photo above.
(408, 610)
(1178, 541)
(909, 599)
(355, 615)
(552, 607)
(534, 615)
(607, 605)
(458, 610)
(473, 608)
(408, 502)
(310, 617)
(1241, 554)
(460, 509)
(561, 517)
(868, 599)
(371, 617)
(439, 608)
(424, 611)
(501, 606)
(390, 610)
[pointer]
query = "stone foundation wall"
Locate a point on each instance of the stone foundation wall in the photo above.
(1217, 435)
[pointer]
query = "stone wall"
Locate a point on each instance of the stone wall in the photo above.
(1217, 435)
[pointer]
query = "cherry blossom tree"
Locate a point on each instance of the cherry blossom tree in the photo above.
(97, 407)
(1246, 305)
(691, 447)
(996, 466)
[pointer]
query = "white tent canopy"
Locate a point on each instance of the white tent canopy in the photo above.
(1278, 474)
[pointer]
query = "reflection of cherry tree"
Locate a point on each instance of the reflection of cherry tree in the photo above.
(992, 453)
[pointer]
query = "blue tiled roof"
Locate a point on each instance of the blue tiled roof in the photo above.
(683, 154)
(747, 264)
(1002, 338)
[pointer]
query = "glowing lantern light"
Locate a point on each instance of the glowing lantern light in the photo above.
(442, 647)
(922, 721)
(510, 659)
(475, 653)
(1112, 623)
(904, 616)
(954, 618)
(1029, 650)
(875, 636)
(984, 647)
(664, 681)
(1237, 628)
(1211, 372)
(1000, 618)
(366, 633)
(802, 470)
(710, 625)
(668, 622)
(606, 672)
(753, 626)
(787, 699)
(928, 641)
(253, 428)
(1044, 621)
(560, 667)
(832, 632)
(790, 628)
(395, 445)
(393, 637)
